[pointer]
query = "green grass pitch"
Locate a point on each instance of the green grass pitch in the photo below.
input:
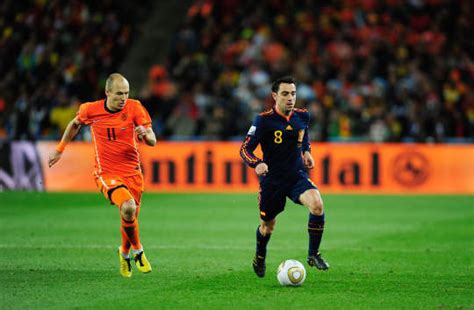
(386, 252)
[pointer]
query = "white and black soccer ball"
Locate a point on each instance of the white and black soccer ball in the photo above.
(291, 273)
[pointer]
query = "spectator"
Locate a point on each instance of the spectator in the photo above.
(367, 70)
(48, 47)
(379, 71)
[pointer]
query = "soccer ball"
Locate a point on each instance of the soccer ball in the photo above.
(291, 272)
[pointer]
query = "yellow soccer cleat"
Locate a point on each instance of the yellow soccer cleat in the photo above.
(125, 265)
(142, 263)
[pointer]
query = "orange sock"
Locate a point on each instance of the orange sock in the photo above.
(126, 245)
(130, 230)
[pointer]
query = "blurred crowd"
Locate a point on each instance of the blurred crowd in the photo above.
(367, 70)
(55, 54)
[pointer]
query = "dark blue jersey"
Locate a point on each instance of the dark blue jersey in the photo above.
(283, 141)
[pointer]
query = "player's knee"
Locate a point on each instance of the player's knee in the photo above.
(316, 206)
(267, 227)
(266, 230)
(128, 210)
(313, 201)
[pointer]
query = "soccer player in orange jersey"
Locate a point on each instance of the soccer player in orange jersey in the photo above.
(116, 123)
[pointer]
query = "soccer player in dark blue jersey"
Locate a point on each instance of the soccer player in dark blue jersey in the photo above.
(282, 133)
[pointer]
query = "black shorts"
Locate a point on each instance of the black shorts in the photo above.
(273, 193)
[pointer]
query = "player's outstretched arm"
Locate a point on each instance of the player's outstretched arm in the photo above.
(146, 134)
(71, 131)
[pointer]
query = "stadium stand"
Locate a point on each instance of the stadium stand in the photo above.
(55, 54)
(367, 70)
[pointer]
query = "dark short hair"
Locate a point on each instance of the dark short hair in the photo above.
(285, 79)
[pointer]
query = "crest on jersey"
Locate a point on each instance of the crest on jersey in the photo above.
(252, 130)
(124, 116)
(289, 127)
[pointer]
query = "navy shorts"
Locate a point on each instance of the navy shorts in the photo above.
(273, 193)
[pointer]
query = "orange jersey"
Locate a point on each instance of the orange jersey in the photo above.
(113, 135)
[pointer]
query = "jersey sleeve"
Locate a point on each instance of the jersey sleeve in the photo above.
(141, 116)
(306, 146)
(82, 114)
(251, 142)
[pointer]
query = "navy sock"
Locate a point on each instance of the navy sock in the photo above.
(262, 243)
(315, 231)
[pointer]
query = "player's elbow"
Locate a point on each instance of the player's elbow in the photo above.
(75, 123)
(241, 154)
(150, 138)
(151, 142)
(244, 154)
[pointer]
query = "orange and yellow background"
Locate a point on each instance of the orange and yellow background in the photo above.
(339, 168)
